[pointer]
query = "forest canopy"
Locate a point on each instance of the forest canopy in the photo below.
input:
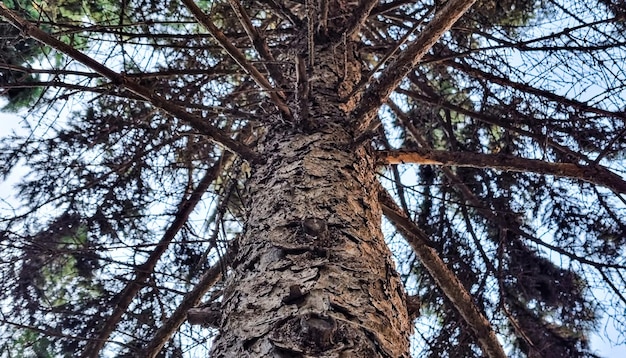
(500, 146)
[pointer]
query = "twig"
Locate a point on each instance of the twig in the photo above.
(237, 55)
(391, 77)
(143, 272)
(259, 43)
(31, 30)
(191, 299)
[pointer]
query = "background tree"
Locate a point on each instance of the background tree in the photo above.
(155, 128)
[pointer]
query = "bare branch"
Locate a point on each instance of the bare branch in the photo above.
(391, 77)
(22, 69)
(538, 137)
(191, 299)
(139, 76)
(322, 17)
(366, 79)
(532, 90)
(258, 42)
(446, 280)
(594, 174)
(361, 13)
(285, 12)
(238, 56)
(143, 272)
(31, 30)
(608, 147)
(488, 213)
(389, 6)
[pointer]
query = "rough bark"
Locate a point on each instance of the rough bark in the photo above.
(313, 276)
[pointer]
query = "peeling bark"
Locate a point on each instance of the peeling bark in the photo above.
(313, 276)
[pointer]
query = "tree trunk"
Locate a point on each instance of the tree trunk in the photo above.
(313, 276)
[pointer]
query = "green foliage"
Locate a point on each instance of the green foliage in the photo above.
(19, 54)
(29, 343)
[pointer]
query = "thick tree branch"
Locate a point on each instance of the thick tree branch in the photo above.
(366, 79)
(204, 19)
(594, 174)
(485, 211)
(446, 280)
(391, 77)
(31, 30)
(143, 272)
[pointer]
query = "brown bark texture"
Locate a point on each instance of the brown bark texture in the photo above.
(313, 276)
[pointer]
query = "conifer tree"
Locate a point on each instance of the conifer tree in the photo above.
(289, 178)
